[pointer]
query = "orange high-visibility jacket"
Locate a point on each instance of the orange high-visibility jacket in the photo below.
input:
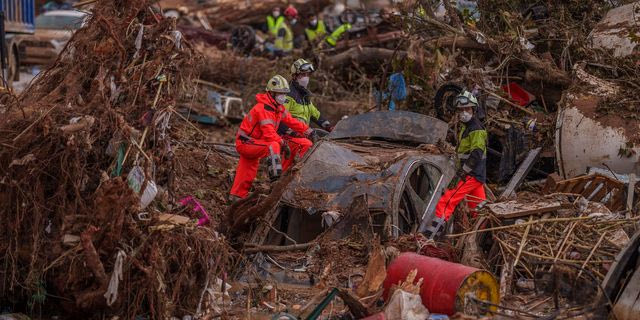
(265, 117)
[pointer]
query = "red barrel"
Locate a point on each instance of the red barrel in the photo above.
(445, 284)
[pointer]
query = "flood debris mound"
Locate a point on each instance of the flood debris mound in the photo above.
(529, 65)
(115, 166)
(79, 165)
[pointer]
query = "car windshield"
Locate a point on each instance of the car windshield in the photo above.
(62, 22)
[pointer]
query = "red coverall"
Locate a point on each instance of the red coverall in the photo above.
(257, 138)
(298, 146)
(450, 199)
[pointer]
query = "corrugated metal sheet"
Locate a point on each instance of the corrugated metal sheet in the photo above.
(19, 15)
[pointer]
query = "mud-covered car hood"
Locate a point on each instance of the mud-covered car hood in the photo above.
(335, 174)
(348, 164)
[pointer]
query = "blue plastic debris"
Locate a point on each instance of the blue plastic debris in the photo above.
(396, 91)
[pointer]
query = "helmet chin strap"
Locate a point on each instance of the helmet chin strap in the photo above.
(272, 97)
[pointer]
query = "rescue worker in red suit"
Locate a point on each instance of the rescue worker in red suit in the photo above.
(472, 154)
(257, 137)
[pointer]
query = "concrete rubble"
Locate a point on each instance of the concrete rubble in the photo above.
(116, 163)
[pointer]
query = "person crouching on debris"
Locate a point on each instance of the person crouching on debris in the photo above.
(472, 155)
(257, 137)
(300, 106)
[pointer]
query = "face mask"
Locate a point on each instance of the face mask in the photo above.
(294, 21)
(313, 23)
(276, 13)
(304, 81)
(465, 116)
(281, 98)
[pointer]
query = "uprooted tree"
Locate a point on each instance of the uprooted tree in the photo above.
(70, 233)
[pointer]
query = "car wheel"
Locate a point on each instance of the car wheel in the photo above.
(243, 39)
(444, 101)
(413, 200)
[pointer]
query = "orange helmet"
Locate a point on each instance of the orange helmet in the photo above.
(291, 12)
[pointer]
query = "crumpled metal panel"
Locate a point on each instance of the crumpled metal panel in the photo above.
(392, 125)
(613, 31)
(577, 151)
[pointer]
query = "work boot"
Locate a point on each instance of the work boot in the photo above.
(274, 166)
(436, 228)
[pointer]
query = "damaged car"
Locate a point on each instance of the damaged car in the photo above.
(53, 31)
(382, 169)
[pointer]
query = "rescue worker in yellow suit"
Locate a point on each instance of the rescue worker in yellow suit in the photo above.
(283, 43)
(472, 153)
(316, 30)
(274, 20)
(300, 106)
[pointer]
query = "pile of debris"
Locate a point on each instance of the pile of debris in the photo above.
(116, 164)
(553, 251)
(86, 149)
(527, 71)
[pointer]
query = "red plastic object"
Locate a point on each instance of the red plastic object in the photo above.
(377, 316)
(519, 95)
(445, 284)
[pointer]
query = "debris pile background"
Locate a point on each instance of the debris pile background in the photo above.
(118, 79)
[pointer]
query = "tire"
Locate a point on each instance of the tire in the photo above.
(243, 39)
(444, 101)
(412, 199)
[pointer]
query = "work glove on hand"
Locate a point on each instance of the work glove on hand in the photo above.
(286, 150)
(313, 136)
(327, 126)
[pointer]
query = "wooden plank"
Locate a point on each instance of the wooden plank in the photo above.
(617, 202)
(571, 185)
(521, 173)
(514, 209)
(630, 193)
(568, 188)
(579, 187)
(563, 186)
(613, 182)
(580, 178)
(552, 183)
(506, 278)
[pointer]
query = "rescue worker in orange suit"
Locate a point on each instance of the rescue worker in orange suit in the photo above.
(472, 154)
(257, 137)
